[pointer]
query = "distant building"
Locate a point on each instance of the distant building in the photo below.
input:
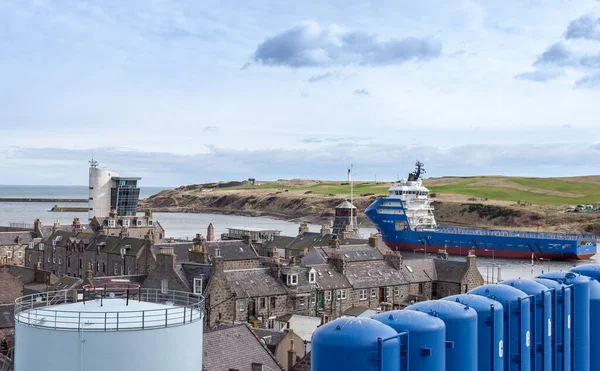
(130, 226)
(345, 222)
(255, 234)
(12, 246)
(109, 191)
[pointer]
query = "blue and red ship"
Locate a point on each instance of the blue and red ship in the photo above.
(406, 221)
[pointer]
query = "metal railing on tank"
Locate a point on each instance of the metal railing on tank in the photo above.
(112, 306)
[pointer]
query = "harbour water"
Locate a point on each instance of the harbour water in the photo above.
(186, 225)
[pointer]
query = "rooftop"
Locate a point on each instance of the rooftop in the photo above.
(144, 309)
(252, 229)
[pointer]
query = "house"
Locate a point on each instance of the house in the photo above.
(136, 226)
(287, 347)
(12, 246)
(16, 281)
(360, 312)
(236, 348)
(303, 326)
(456, 277)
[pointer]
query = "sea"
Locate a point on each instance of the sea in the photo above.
(187, 225)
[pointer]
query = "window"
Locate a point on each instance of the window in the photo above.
(68, 261)
(97, 266)
(20, 254)
(301, 301)
(218, 253)
(397, 291)
(149, 222)
(91, 198)
(197, 285)
(111, 223)
(312, 276)
(164, 286)
(48, 258)
(80, 264)
(115, 269)
(273, 302)
(103, 267)
(29, 258)
(313, 298)
(54, 259)
(420, 288)
(388, 292)
(292, 279)
(363, 294)
(328, 295)
(241, 306)
(59, 260)
(41, 245)
(373, 293)
(31, 245)
(139, 223)
(262, 303)
(343, 294)
(126, 223)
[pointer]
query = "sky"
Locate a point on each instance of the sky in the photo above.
(195, 91)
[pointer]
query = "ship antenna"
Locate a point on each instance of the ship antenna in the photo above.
(93, 163)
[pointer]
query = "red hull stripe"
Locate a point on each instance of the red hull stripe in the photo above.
(511, 254)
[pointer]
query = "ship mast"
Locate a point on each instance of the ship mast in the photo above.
(351, 195)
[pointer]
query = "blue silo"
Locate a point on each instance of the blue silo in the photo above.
(580, 309)
(594, 325)
(426, 338)
(541, 321)
(561, 323)
(461, 332)
(517, 326)
(588, 270)
(355, 343)
(490, 329)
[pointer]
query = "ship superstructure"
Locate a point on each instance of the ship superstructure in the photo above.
(406, 221)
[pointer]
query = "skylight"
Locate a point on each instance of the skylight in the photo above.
(409, 268)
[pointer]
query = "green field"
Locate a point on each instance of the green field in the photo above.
(538, 191)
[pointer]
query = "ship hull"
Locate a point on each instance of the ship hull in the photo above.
(392, 223)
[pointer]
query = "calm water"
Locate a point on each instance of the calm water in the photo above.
(183, 225)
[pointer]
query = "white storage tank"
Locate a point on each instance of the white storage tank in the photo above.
(115, 326)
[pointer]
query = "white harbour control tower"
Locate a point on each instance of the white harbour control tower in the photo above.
(115, 326)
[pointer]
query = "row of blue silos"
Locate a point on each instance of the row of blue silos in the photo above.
(551, 323)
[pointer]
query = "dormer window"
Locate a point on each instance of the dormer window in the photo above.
(292, 279)
(41, 245)
(126, 223)
(218, 253)
(312, 276)
(139, 223)
(111, 223)
(149, 222)
(31, 245)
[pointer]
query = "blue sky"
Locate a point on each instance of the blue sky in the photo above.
(187, 92)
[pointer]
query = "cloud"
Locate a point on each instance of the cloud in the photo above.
(557, 54)
(541, 75)
(326, 161)
(313, 45)
(585, 27)
(210, 128)
(363, 92)
(588, 82)
(323, 76)
(567, 126)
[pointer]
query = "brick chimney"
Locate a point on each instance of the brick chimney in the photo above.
(292, 261)
(165, 258)
(148, 213)
(37, 226)
(291, 352)
(217, 263)
(199, 253)
(325, 229)
(303, 228)
(393, 258)
(471, 260)
(334, 242)
(210, 233)
(338, 261)
(56, 226)
(76, 225)
(375, 240)
(275, 255)
(246, 237)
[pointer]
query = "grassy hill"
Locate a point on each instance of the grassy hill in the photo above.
(538, 191)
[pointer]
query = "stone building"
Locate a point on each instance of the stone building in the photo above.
(130, 226)
(69, 253)
(16, 281)
(12, 246)
(287, 347)
(456, 277)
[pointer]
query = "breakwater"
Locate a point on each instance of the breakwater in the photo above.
(75, 200)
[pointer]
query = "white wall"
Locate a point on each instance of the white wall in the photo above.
(166, 349)
(100, 181)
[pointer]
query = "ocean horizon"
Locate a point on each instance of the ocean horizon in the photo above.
(62, 191)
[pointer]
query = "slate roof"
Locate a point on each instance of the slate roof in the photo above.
(306, 240)
(359, 312)
(271, 337)
(352, 252)
(181, 249)
(66, 283)
(235, 348)
(7, 316)
(327, 278)
(189, 271)
(374, 274)
(254, 282)
(231, 250)
(113, 244)
(11, 238)
(280, 242)
(47, 230)
(345, 205)
(450, 270)
(423, 270)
